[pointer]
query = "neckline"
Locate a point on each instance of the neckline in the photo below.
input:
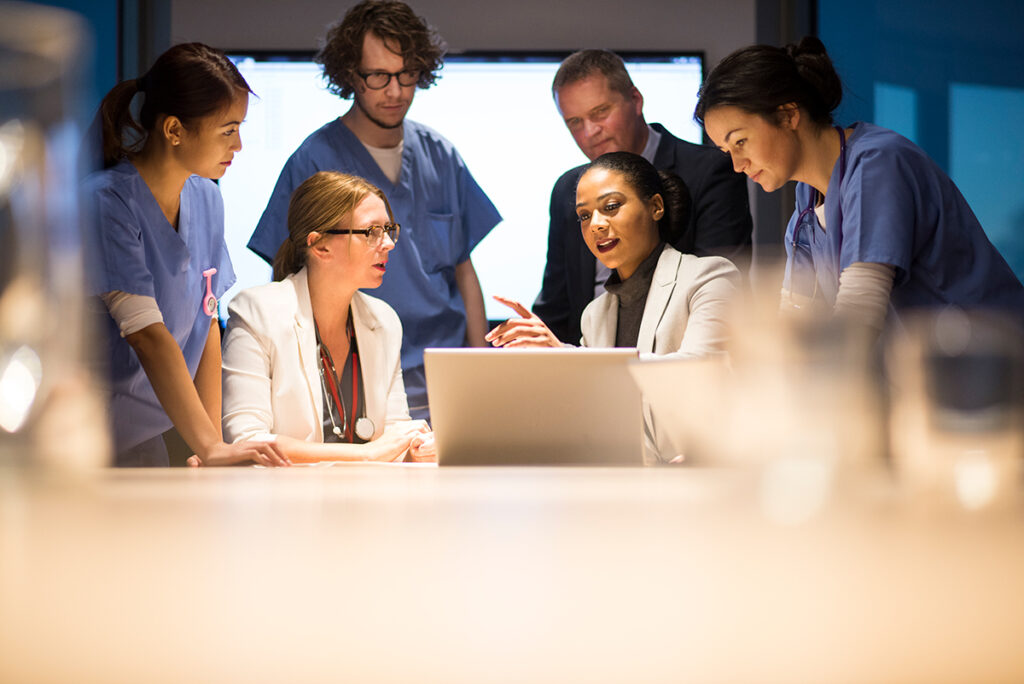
(182, 231)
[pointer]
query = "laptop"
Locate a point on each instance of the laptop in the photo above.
(534, 406)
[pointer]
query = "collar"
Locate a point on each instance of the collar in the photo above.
(651, 148)
(359, 311)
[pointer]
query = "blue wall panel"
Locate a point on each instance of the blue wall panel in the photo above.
(950, 75)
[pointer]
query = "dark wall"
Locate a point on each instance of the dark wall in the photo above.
(717, 27)
(101, 16)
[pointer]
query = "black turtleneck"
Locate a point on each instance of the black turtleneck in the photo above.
(632, 294)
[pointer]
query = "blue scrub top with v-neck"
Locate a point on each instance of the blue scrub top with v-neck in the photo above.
(443, 213)
(894, 205)
(137, 251)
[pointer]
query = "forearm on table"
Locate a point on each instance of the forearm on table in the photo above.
(208, 377)
(473, 300)
(165, 368)
(301, 451)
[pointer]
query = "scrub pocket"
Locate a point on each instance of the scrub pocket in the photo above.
(439, 245)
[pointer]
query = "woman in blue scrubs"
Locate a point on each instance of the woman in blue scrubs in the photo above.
(157, 237)
(878, 225)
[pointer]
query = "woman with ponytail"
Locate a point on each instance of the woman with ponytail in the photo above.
(878, 226)
(158, 237)
(311, 364)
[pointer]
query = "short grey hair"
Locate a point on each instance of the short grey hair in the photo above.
(584, 63)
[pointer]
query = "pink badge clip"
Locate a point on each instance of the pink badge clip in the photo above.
(209, 301)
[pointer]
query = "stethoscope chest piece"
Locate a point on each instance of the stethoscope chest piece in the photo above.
(364, 428)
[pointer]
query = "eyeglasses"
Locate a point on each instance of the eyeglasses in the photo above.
(378, 80)
(374, 234)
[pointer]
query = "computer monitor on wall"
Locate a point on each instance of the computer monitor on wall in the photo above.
(497, 110)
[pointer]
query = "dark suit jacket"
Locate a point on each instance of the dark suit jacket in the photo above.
(719, 225)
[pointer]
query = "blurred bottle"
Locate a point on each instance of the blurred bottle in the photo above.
(50, 413)
(797, 400)
(803, 386)
(957, 423)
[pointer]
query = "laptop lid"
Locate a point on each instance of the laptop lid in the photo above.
(534, 406)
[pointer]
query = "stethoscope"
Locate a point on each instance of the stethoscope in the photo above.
(361, 427)
(813, 202)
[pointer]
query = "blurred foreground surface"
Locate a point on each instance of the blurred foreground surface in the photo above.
(362, 573)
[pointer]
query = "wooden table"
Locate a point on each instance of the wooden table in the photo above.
(377, 574)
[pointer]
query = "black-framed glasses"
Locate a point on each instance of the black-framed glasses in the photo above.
(374, 234)
(378, 80)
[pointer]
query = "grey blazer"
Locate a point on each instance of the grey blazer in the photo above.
(685, 313)
(684, 317)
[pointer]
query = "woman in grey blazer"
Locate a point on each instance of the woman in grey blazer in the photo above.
(310, 361)
(661, 301)
(658, 300)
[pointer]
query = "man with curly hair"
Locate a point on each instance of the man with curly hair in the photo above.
(378, 55)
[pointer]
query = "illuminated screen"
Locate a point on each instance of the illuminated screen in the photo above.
(498, 112)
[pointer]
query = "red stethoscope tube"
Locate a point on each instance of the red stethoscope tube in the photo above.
(350, 426)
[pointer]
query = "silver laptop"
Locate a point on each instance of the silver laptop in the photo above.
(535, 406)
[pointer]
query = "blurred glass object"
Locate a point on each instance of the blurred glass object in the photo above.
(796, 398)
(794, 386)
(957, 424)
(50, 412)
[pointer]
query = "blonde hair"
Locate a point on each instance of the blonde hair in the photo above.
(320, 203)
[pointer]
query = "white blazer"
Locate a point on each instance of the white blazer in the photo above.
(685, 317)
(686, 310)
(271, 374)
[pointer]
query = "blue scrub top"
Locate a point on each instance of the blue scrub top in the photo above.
(135, 250)
(899, 208)
(443, 213)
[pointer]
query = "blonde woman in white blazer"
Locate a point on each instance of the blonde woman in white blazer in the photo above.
(296, 349)
(660, 301)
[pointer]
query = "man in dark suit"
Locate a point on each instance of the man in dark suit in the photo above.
(603, 111)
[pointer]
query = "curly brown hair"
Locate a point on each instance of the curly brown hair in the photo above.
(395, 23)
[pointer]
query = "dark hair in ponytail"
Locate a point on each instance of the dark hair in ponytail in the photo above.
(647, 181)
(760, 78)
(188, 81)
